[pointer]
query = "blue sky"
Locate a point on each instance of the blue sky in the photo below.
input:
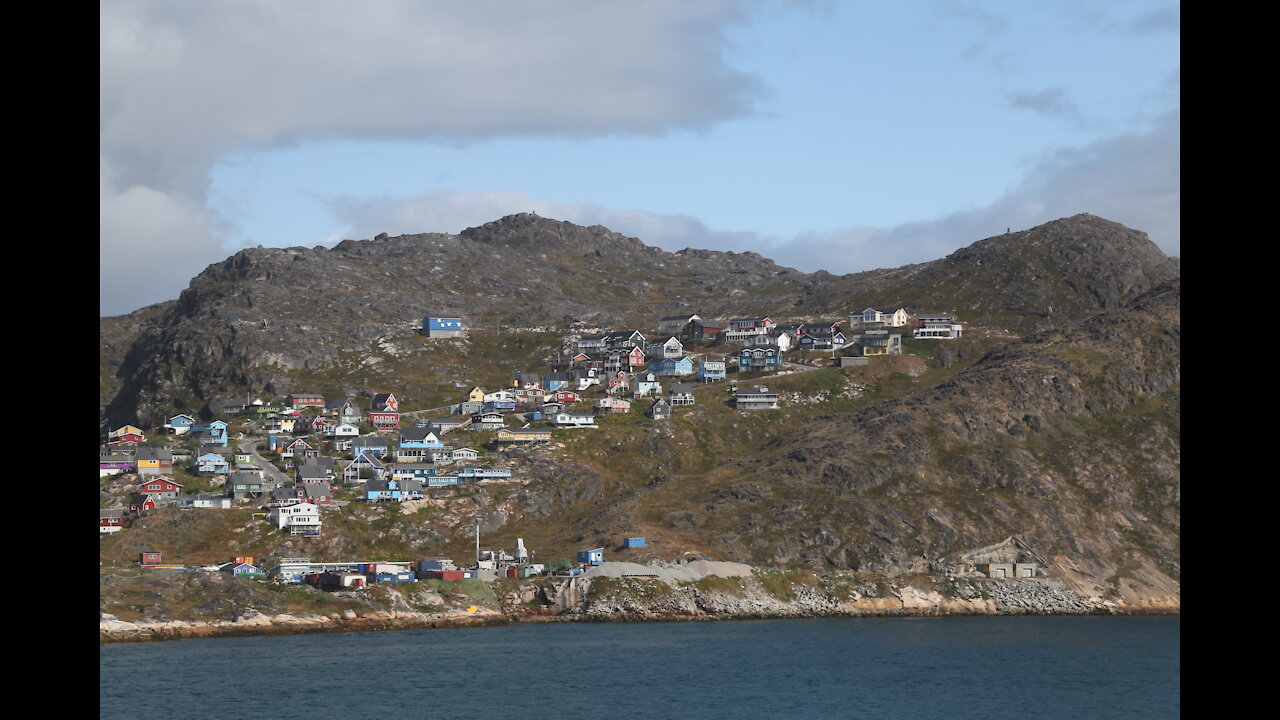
(825, 135)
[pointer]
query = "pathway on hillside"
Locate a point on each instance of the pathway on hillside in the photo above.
(251, 446)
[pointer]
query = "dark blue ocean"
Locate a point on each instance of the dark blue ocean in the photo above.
(962, 667)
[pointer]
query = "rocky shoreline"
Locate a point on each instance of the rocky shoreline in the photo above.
(646, 600)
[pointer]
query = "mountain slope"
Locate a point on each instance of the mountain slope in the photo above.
(244, 324)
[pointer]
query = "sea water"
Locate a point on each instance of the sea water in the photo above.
(949, 667)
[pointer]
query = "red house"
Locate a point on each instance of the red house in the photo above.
(384, 414)
(160, 488)
(305, 400)
(385, 402)
(110, 520)
(141, 503)
(635, 358)
(564, 396)
(149, 558)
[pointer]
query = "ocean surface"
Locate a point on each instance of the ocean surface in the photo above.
(961, 667)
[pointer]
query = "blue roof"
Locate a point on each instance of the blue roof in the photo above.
(443, 323)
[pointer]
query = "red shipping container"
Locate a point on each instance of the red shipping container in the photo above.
(513, 572)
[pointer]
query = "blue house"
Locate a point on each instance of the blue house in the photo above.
(436, 327)
(366, 464)
(214, 433)
(671, 367)
(820, 340)
(759, 359)
(591, 557)
(557, 381)
(419, 438)
(179, 424)
(499, 406)
(473, 473)
(243, 570)
(382, 489)
(710, 370)
(212, 464)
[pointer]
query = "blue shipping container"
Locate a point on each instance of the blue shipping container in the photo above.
(635, 542)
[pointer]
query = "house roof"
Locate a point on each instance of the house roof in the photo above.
(684, 388)
(415, 434)
(146, 452)
(312, 470)
(370, 460)
(315, 490)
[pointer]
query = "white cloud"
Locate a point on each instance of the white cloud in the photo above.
(158, 244)
(181, 84)
(1132, 179)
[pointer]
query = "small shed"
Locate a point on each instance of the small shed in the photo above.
(595, 556)
(149, 558)
(634, 542)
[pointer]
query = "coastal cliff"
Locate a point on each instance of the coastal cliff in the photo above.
(748, 594)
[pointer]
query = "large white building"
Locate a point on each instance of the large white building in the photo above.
(299, 519)
(878, 318)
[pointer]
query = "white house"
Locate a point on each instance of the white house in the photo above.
(755, 398)
(299, 519)
(877, 318)
(647, 383)
(343, 430)
(672, 348)
(221, 502)
(573, 419)
(939, 326)
(781, 340)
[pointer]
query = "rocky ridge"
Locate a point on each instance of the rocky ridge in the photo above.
(244, 323)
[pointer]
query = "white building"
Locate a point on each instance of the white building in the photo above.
(672, 348)
(937, 326)
(300, 519)
(755, 398)
(878, 318)
(571, 419)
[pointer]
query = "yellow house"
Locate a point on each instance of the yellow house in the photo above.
(476, 394)
(524, 435)
(126, 430)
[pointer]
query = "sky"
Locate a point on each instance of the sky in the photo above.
(826, 135)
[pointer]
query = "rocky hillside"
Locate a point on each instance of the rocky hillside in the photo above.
(267, 320)
(1068, 438)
